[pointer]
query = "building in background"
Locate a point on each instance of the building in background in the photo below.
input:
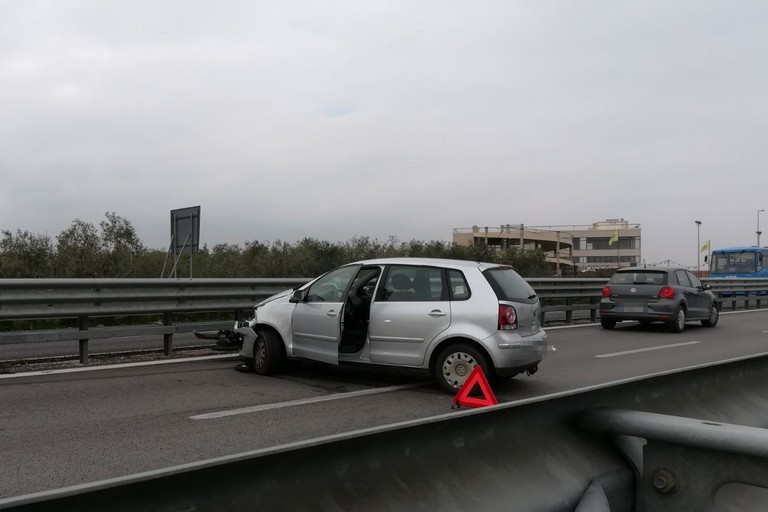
(568, 249)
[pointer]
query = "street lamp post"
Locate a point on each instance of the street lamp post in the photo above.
(698, 245)
(758, 226)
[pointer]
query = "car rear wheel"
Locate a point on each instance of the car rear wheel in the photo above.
(608, 323)
(267, 352)
(714, 316)
(678, 323)
(455, 363)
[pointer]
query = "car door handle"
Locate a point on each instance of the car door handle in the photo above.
(331, 313)
(437, 312)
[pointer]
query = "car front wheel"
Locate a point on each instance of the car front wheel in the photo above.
(678, 322)
(267, 353)
(714, 316)
(455, 363)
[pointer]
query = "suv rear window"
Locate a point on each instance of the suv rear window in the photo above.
(639, 277)
(509, 286)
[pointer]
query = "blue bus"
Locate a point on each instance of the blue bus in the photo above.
(739, 263)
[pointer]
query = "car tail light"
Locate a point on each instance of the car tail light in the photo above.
(606, 291)
(667, 293)
(507, 318)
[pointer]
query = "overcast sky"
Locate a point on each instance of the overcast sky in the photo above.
(286, 120)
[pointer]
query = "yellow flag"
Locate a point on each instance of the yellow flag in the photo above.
(614, 238)
(705, 247)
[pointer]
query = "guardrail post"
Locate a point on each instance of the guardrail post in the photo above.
(168, 337)
(568, 312)
(82, 325)
(595, 303)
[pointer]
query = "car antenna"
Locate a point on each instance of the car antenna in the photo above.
(482, 255)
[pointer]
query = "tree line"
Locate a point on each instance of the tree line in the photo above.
(114, 250)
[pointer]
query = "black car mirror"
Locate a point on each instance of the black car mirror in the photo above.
(299, 296)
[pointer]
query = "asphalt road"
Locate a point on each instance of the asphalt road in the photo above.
(76, 426)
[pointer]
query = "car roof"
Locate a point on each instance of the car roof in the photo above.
(431, 262)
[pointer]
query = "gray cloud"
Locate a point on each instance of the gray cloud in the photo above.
(386, 118)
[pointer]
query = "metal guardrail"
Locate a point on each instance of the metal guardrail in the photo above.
(87, 299)
(681, 440)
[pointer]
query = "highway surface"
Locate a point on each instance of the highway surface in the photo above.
(69, 427)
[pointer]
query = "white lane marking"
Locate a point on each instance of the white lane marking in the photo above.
(113, 366)
(303, 401)
(648, 349)
(742, 311)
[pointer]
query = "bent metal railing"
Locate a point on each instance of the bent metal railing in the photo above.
(685, 440)
(89, 299)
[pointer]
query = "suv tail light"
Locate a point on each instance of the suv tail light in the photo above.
(606, 291)
(507, 318)
(667, 293)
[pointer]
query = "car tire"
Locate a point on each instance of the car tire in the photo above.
(714, 316)
(677, 324)
(456, 362)
(267, 352)
(608, 323)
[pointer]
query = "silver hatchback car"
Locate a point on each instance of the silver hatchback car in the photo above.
(443, 316)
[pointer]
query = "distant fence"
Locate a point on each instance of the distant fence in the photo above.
(88, 299)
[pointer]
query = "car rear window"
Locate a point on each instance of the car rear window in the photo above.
(639, 277)
(509, 286)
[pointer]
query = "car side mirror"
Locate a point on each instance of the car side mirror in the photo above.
(298, 296)
(705, 258)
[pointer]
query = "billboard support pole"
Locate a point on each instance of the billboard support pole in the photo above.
(173, 270)
(170, 247)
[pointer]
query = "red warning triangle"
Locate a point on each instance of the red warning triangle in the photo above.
(476, 377)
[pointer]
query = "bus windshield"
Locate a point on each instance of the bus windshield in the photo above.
(733, 262)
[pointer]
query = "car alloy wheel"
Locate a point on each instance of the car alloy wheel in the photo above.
(714, 316)
(678, 324)
(456, 363)
(267, 353)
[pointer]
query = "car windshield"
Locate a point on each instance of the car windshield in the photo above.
(509, 286)
(639, 277)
